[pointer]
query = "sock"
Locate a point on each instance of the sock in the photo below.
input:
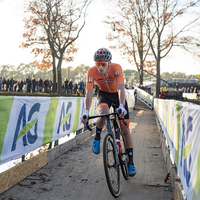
(130, 155)
(98, 133)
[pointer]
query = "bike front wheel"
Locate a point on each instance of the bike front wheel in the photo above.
(124, 165)
(111, 165)
(123, 157)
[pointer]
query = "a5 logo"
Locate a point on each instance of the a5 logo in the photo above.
(28, 137)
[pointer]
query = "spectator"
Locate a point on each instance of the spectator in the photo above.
(28, 84)
(46, 85)
(81, 87)
(195, 90)
(40, 85)
(15, 85)
(70, 86)
(33, 84)
(20, 85)
(76, 88)
(7, 84)
(177, 85)
(66, 86)
(50, 85)
(4, 83)
(11, 84)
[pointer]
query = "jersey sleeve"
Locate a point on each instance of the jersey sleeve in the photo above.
(119, 74)
(90, 79)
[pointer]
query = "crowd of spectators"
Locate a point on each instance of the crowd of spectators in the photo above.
(73, 88)
(190, 90)
(68, 86)
(40, 85)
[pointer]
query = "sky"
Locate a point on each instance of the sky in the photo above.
(91, 38)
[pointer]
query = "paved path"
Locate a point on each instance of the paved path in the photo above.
(79, 175)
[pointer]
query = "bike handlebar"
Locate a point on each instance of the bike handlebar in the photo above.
(103, 115)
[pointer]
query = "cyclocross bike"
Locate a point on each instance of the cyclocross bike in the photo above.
(114, 155)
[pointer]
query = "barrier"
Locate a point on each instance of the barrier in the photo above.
(181, 129)
(145, 97)
(190, 95)
(27, 123)
(130, 98)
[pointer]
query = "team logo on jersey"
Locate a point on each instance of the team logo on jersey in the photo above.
(117, 73)
(90, 79)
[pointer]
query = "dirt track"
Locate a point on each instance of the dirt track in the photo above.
(79, 175)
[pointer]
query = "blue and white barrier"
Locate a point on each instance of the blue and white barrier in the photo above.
(180, 122)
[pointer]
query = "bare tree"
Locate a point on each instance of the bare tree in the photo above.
(130, 36)
(51, 29)
(164, 31)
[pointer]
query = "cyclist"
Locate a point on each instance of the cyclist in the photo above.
(109, 78)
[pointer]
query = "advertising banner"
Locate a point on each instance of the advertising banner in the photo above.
(181, 129)
(27, 123)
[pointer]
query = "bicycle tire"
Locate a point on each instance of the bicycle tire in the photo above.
(124, 166)
(111, 165)
(123, 157)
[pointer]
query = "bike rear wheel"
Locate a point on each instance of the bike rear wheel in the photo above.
(111, 165)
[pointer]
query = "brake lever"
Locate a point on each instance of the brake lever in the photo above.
(123, 120)
(87, 125)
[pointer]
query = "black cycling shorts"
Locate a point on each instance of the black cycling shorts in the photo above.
(109, 98)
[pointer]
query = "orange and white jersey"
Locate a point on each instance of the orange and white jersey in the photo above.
(108, 84)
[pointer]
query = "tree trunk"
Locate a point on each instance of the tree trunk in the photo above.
(141, 77)
(158, 76)
(141, 72)
(59, 87)
(158, 68)
(54, 74)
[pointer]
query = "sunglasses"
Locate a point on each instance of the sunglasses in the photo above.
(103, 64)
